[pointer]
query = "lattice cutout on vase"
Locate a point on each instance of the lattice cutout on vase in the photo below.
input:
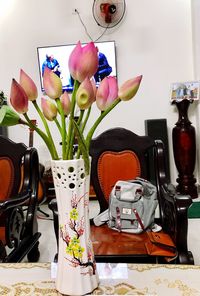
(69, 176)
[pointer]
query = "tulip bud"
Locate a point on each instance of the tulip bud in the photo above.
(49, 109)
(52, 84)
(8, 117)
(129, 88)
(83, 61)
(66, 104)
(18, 97)
(94, 88)
(106, 92)
(28, 85)
(85, 94)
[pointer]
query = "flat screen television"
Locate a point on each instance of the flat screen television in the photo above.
(56, 57)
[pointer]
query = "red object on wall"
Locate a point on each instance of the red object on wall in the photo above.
(105, 9)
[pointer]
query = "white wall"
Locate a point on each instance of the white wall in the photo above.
(154, 39)
(195, 7)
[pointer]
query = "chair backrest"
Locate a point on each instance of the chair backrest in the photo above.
(11, 167)
(19, 169)
(118, 154)
(19, 178)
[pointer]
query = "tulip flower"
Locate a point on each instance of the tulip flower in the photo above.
(129, 88)
(52, 84)
(94, 88)
(28, 85)
(49, 109)
(106, 93)
(83, 61)
(65, 102)
(9, 117)
(18, 97)
(85, 95)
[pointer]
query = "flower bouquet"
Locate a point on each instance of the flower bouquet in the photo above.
(83, 64)
(71, 170)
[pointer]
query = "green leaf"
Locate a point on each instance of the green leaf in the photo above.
(8, 117)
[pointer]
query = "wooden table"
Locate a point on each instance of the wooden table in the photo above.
(35, 279)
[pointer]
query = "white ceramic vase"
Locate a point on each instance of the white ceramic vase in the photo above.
(76, 269)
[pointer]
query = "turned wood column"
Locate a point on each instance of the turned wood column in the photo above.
(184, 148)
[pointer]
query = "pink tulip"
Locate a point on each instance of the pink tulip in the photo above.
(106, 93)
(28, 85)
(66, 104)
(18, 97)
(129, 88)
(85, 95)
(94, 87)
(52, 84)
(83, 61)
(49, 109)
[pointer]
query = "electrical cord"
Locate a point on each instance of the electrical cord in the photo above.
(102, 33)
(86, 31)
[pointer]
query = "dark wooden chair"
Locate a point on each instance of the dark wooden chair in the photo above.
(19, 176)
(119, 154)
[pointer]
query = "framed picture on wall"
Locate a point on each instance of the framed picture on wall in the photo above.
(185, 90)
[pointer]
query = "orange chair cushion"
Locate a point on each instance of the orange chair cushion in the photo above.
(114, 166)
(6, 177)
(3, 235)
(6, 181)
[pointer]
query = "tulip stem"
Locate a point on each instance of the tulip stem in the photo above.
(80, 117)
(86, 119)
(71, 120)
(83, 127)
(58, 125)
(99, 119)
(52, 151)
(45, 125)
(63, 129)
(21, 121)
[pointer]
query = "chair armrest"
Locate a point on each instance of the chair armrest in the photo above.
(182, 203)
(18, 200)
(173, 207)
(173, 210)
(160, 163)
(31, 172)
(174, 217)
(54, 208)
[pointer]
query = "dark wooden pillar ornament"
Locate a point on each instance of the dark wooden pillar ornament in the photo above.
(184, 147)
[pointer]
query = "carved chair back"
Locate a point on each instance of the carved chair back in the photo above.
(19, 176)
(118, 154)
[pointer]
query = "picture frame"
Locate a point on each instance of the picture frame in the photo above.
(185, 90)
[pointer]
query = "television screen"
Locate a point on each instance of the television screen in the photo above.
(56, 58)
